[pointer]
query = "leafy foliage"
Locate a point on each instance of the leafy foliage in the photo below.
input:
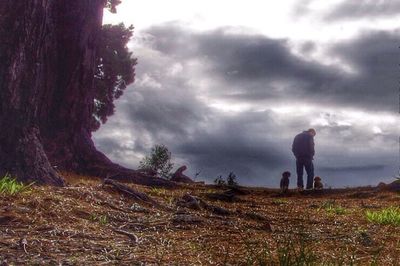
(158, 161)
(231, 180)
(115, 70)
(11, 186)
(219, 181)
(112, 4)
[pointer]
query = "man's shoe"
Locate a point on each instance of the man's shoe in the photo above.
(300, 189)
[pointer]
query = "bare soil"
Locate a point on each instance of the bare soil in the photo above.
(88, 223)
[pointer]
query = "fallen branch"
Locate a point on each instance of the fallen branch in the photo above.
(130, 192)
(132, 236)
(197, 203)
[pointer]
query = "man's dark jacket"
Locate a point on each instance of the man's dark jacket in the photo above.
(303, 146)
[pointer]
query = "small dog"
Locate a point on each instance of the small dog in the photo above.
(317, 183)
(285, 181)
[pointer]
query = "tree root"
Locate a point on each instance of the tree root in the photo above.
(137, 195)
(132, 236)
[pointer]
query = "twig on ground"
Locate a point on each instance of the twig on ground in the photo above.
(132, 236)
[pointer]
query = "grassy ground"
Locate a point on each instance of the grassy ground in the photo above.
(87, 223)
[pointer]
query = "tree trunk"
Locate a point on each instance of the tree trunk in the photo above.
(25, 33)
(48, 52)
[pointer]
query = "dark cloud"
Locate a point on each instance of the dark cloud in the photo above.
(353, 168)
(169, 112)
(374, 56)
(245, 144)
(254, 67)
(187, 80)
(352, 10)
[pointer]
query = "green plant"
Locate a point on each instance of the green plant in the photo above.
(231, 180)
(332, 208)
(387, 216)
(158, 191)
(102, 219)
(296, 251)
(219, 181)
(257, 253)
(11, 186)
(336, 210)
(159, 161)
(279, 201)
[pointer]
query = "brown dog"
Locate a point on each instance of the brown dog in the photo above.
(317, 183)
(285, 181)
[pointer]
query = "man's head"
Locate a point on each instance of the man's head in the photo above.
(312, 132)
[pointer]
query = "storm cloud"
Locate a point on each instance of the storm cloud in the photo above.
(254, 67)
(225, 100)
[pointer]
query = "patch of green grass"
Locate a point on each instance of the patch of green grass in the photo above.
(11, 186)
(257, 253)
(292, 249)
(280, 201)
(387, 216)
(332, 208)
(336, 210)
(102, 219)
(157, 191)
(296, 251)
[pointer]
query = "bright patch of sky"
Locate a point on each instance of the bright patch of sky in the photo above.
(293, 19)
(299, 21)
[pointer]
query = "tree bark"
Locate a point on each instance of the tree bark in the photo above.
(24, 37)
(48, 55)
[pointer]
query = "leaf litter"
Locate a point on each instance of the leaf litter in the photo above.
(89, 223)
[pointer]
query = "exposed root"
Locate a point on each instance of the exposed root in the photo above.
(132, 236)
(130, 192)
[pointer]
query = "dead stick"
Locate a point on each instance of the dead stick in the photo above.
(134, 193)
(132, 236)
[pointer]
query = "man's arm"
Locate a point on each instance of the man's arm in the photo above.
(312, 150)
(294, 146)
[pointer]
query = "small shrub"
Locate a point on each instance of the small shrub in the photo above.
(11, 186)
(158, 161)
(219, 181)
(387, 216)
(231, 180)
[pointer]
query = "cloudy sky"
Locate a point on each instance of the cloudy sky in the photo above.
(226, 85)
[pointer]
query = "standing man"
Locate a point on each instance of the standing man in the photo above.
(303, 150)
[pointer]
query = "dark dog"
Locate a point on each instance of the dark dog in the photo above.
(285, 181)
(317, 183)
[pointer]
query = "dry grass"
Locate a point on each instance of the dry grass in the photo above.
(76, 225)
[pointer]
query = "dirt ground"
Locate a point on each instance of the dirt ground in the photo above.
(88, 223)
